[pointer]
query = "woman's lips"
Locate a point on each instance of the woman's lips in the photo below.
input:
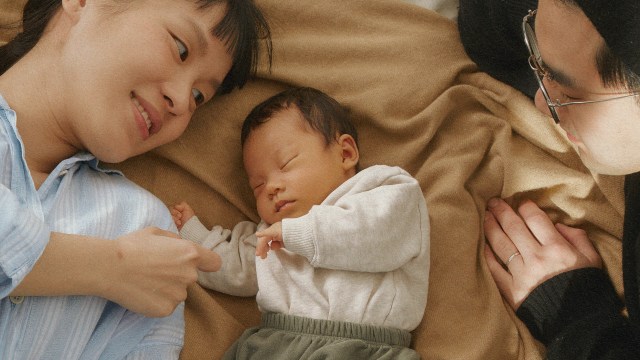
(146, 117)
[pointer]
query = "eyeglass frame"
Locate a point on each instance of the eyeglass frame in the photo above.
(535, 63)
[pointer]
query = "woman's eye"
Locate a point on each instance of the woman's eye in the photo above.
(198, 96)
(182, 49)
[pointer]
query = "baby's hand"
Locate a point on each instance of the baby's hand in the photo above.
(269, 239)
(181, 213)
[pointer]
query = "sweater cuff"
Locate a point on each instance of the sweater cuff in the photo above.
(193, 230)
(567, 298)
(298, 236)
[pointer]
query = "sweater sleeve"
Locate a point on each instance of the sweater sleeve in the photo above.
(236, 247)
(577, 315)
(376, 222)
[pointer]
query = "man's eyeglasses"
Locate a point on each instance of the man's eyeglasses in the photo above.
(535, 62)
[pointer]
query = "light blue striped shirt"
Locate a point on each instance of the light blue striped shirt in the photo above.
(77, 198)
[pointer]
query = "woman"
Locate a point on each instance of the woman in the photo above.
(91, 81)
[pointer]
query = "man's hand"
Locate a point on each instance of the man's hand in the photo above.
(528, 249)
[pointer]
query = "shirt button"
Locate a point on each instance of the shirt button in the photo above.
(16, 299)
(63, 172)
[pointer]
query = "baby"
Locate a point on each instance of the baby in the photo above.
(343, 263)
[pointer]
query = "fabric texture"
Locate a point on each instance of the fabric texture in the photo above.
(282, 337)
(418, 102)
(72, 200)
(335, 264)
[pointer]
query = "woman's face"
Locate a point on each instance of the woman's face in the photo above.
(132, 77)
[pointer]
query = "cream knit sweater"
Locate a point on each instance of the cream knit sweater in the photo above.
(361, 256)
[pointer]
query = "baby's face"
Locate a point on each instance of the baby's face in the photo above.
(290, 167)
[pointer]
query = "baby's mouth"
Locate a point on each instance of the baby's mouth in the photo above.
(280, 204)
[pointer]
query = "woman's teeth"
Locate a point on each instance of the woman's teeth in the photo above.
(143, 112)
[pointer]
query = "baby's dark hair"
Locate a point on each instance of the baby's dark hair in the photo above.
(320, 110)
(241, 29)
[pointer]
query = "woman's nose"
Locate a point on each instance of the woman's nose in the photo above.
(178, 98)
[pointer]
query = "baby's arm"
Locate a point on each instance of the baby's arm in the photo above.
(237, 248)
(375, 223)
(269, 239)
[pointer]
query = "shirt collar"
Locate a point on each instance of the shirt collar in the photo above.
(3, 103)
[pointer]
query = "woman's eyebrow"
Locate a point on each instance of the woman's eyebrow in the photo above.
(203, 45)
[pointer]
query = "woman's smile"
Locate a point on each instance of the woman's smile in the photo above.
(146, 117)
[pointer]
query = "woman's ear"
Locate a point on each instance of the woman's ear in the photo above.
(349, 152)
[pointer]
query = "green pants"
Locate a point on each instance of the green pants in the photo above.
(282, 336)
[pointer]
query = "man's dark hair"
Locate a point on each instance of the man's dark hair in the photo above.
(618, 22)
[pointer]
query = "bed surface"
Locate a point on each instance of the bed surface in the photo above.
(418, 102)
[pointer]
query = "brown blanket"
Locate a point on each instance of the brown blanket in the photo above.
(418, 103)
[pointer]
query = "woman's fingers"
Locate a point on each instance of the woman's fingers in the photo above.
(209, 261)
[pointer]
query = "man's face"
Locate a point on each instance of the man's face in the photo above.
(605, 134)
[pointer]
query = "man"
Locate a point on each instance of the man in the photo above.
(580, 60)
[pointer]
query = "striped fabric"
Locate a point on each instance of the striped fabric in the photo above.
(77, 198)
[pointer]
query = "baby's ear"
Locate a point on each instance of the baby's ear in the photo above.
(349, 151)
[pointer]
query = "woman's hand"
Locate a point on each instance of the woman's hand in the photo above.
(153, 270)
(529, 249)
(146, 271)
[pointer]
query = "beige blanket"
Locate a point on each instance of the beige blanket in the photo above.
(419, 103)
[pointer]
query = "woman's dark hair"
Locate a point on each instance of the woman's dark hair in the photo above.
(241, 29)
(321, 111)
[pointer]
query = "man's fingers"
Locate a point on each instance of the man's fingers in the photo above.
(579, 239)
(502, 278)
(538, 223)
(515, 233)
(497, 239)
